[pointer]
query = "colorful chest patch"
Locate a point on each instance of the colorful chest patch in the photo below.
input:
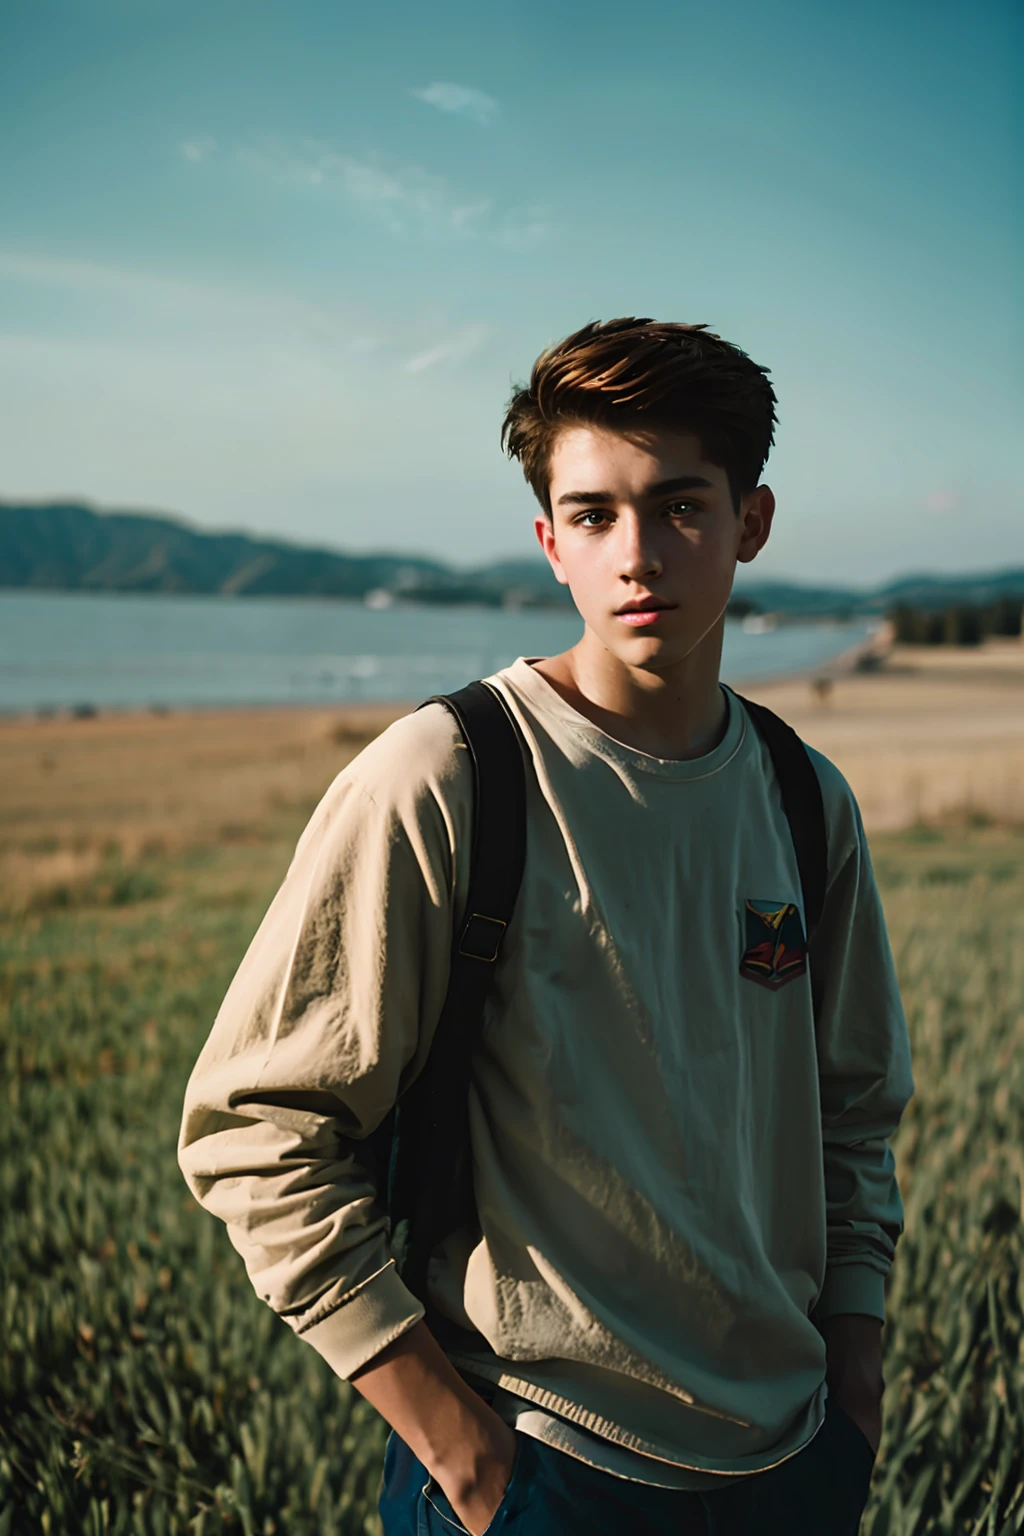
(776, 950)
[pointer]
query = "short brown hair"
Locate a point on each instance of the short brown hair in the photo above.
(628, 374)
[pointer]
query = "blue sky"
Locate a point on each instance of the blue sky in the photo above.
(274, 266)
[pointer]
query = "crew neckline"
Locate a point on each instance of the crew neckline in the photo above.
(523, 677)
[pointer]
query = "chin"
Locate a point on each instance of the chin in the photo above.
(654, 653)
(647, 651)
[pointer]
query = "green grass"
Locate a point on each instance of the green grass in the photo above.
(954, 1448)
(143, 1388)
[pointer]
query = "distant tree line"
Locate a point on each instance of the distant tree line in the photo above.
(741, 607)
(958, 623)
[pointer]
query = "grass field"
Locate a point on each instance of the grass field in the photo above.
(143, 1388)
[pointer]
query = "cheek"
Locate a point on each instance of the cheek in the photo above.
(581, 562)
(585, 579)
(707, 548)
(589, 582)
(719, 545)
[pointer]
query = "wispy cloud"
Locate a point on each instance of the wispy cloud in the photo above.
(113, 299)
(941, 501)
(408, 199)
(455, 348)
(404, 196)
(523, 228)
(153, 290)
(167, 315)
(462, 100)
(197, 149)
(104, 279)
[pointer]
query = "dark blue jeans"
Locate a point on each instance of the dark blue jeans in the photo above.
(819, 1492)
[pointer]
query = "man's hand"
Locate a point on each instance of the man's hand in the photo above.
(853, 1350)
(460, 1440)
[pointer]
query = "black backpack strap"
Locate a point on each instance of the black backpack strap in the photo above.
(430, 1178)
(802, 803)
(499, 822)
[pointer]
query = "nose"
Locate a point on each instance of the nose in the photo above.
(638, 555)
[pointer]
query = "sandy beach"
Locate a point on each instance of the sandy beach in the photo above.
(933, 735)
(937, 733)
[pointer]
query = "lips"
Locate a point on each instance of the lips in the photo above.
(643, 612)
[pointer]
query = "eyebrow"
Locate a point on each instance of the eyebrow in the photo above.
(602, 498)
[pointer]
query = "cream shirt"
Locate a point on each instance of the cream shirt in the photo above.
(676, 1169)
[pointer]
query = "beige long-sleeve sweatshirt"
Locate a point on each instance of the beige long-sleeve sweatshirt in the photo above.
(678, 1169)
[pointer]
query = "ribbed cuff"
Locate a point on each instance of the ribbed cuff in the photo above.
(367, 1322)
(851, 1288)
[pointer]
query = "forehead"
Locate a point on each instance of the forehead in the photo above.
(585, 458)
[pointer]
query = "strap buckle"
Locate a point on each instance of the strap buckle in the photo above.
(481, 938)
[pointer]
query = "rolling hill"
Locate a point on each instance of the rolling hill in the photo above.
(72, 547)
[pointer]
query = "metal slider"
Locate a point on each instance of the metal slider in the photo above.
(481, 937)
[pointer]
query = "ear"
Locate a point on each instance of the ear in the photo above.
(757, 508)
(544, 528)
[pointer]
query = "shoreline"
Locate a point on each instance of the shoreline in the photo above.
(867, 654)
(86, 710)
(369, 666)
(925, 735)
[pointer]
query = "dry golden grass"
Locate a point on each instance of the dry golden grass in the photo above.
(935, 735)
(137, 786)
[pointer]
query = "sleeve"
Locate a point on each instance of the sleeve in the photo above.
(864, 1068)
(329, 1016)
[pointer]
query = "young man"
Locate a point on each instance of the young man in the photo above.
(672, 1295)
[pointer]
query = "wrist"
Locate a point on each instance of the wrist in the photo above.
(462, 1441)
(447, 1426)
(474, 1470)
(853, 1352)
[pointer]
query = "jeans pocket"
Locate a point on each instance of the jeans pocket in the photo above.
(442, 1519)
(855, 1435)
(857, 1460)
(436, 1514)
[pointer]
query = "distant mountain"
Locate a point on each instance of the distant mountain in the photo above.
(70, 547)
(800, 601)
(938, 591)
(73, 548)
(928, 592)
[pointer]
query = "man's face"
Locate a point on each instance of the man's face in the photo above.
(644, 532)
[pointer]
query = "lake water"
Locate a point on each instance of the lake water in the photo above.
(63, 650)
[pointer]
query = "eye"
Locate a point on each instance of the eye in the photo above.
(581, 520)
(682, 508)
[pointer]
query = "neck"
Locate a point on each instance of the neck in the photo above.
(677, 712)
